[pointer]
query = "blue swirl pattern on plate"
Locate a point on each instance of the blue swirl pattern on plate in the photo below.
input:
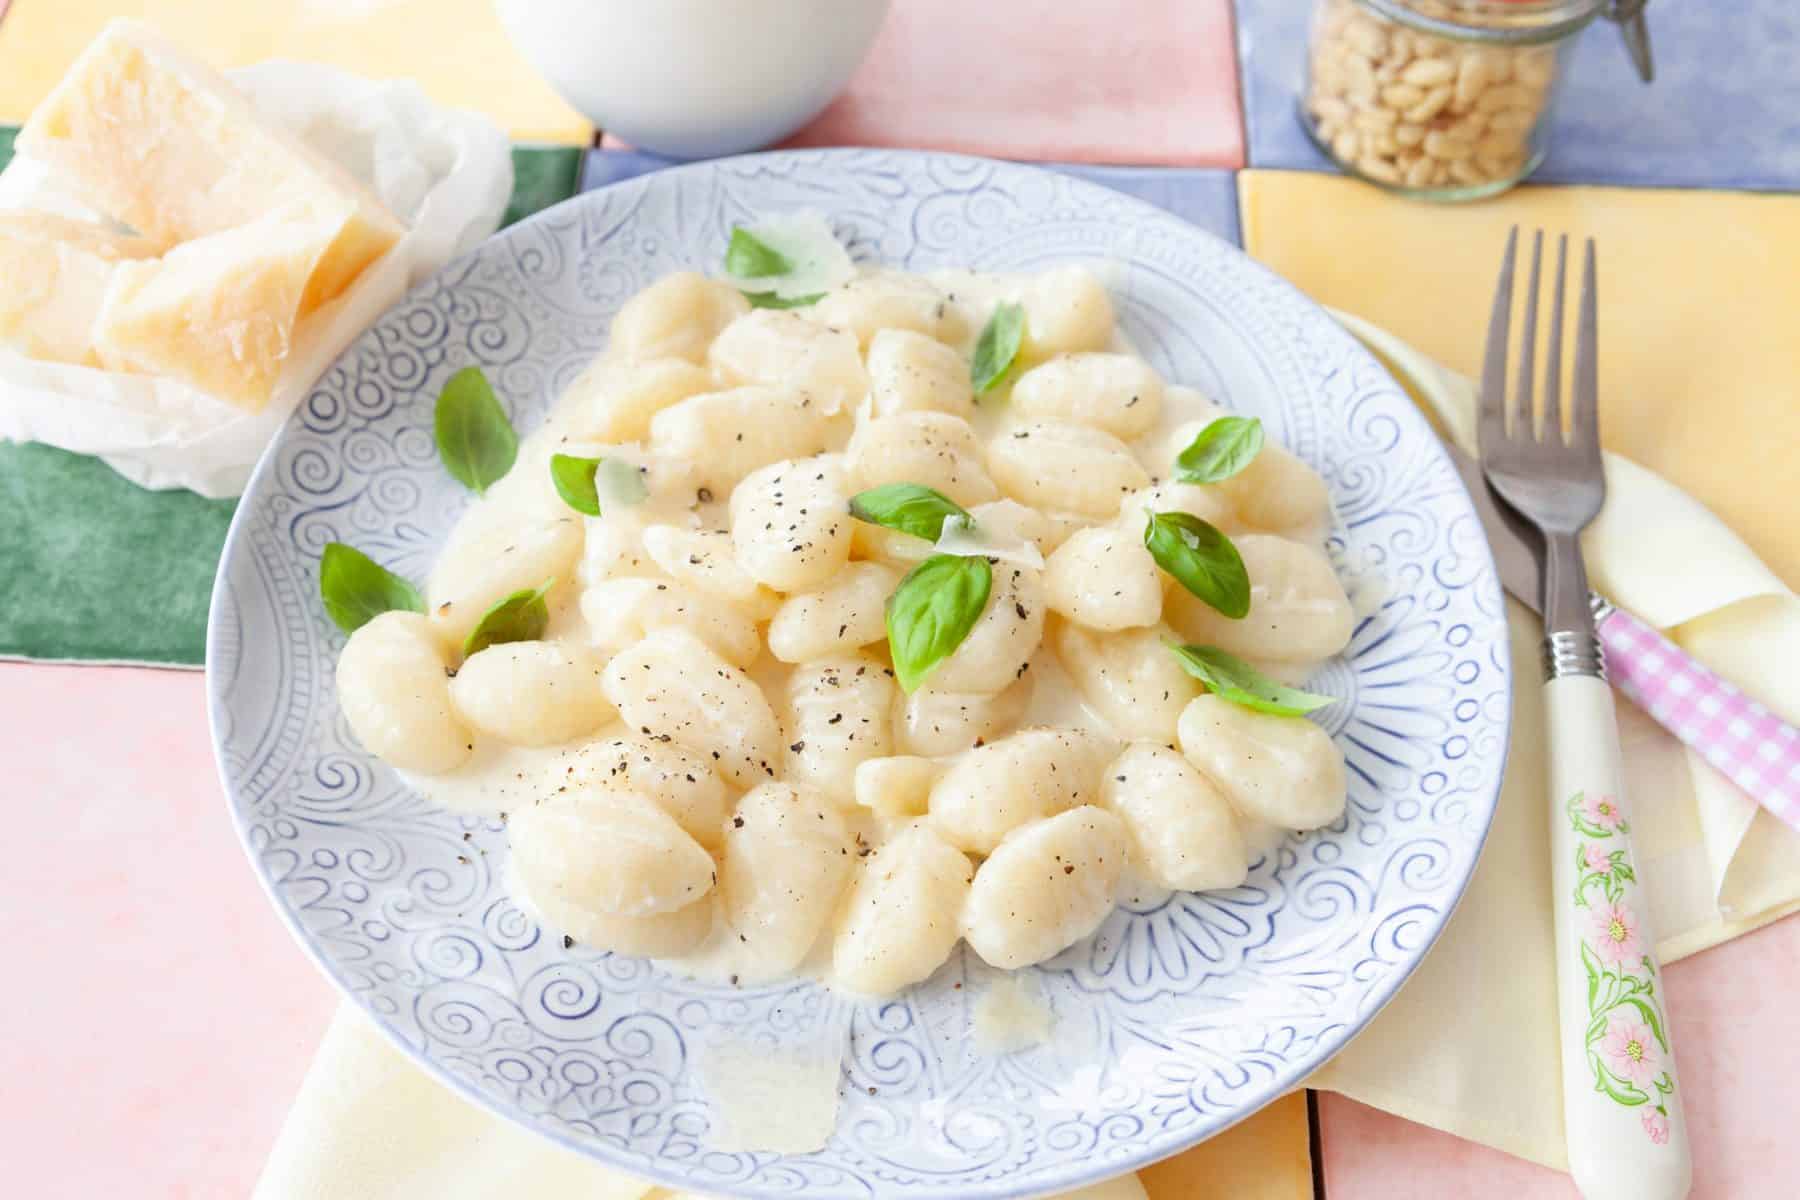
(1183, 1014)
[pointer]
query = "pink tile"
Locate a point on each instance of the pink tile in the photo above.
(158, 1016)
(1731, 1012)
(1065, 82)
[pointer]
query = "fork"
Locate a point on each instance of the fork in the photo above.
(1622, 1113)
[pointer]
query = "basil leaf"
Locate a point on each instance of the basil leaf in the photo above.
(1201, 559)
(997, 346)
(932, 611)
(1235, 680)
(356, 589)
(749, 257)
(907, 507)
(771, 300)
(474, 438)
(582, 481)
(1221, 450)
(521, 617)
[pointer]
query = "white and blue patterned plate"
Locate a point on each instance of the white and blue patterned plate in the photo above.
(1182, 1015)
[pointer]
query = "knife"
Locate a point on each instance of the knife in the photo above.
(1737, 736)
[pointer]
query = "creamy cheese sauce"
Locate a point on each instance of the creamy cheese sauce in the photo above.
(498, 778)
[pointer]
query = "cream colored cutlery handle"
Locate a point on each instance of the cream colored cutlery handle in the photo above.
(1621, 1096)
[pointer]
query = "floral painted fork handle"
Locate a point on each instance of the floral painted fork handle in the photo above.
(1621, 1095)
(1741, 739)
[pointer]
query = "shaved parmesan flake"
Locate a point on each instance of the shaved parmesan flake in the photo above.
(963, 536)
(816, 262)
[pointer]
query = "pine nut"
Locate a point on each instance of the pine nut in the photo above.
(1429, 72)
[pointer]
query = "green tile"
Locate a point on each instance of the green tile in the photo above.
(99, 568)
(542, 176)
(7, 134)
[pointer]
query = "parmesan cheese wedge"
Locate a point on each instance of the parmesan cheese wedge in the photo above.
(162, 143)
(55, 272)
(217, 312)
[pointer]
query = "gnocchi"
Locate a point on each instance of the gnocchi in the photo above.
(682, 782)
(727, 435)
(1069, 467)
(1277, 770)
(837, 719)
(609, 852)
(904, 914)
(1104, 579)
(1118, 393)
(622, 611)
(911, 372)
(844, 615)
(1182, 831)
(706, 752)
(678, 316)
(783, 349)
(530, 693)
(994, 789)
(787, 858)
(392, 690)
(936, 724)
(790, 524)
(930, 448)
(1298, 609)
(672, 684)
(1044, 888)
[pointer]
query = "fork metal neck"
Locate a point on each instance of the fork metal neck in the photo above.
(1570, 645)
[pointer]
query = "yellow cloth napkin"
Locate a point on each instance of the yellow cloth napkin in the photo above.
(1470, 1043)
(1697, 359)
(455, 49)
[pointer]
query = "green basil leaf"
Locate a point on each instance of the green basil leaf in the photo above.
(356, 589)
(574, 480)
(932, 611)
(1221, 450)
(997, 346)
(771, 300)
(474, 438)
(749, 257)
(1235, 680)
(521, 617)
(907, 507)
(581, 482)
(1201, 559)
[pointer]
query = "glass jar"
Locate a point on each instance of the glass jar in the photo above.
(1441, 99)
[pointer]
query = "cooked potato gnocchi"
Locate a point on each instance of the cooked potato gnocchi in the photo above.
(1047, 886)
(720, 765)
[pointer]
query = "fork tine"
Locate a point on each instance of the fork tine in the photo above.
(1492, 429)
(1522, 420)
(1553, 353)
(1584, 409)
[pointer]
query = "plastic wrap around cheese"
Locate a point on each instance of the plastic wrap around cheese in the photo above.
(56, 272)
(164, 144)
(216, 312)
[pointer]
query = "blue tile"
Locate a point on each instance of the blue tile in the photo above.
(1204, 196)
(1724, 111)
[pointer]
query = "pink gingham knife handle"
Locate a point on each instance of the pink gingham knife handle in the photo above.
(1740, 738)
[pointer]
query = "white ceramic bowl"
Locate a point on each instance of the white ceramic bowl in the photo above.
(695, 78)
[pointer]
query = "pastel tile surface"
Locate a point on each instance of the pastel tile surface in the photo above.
(1730, 1005)
(1075, 82)
(1203, 196)
(157, 1004)
(454, 49)
(1698, 293)
(1724, 111)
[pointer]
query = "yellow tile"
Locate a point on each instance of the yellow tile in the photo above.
(1699, 314)
(454, 48)
(1264, 1158)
